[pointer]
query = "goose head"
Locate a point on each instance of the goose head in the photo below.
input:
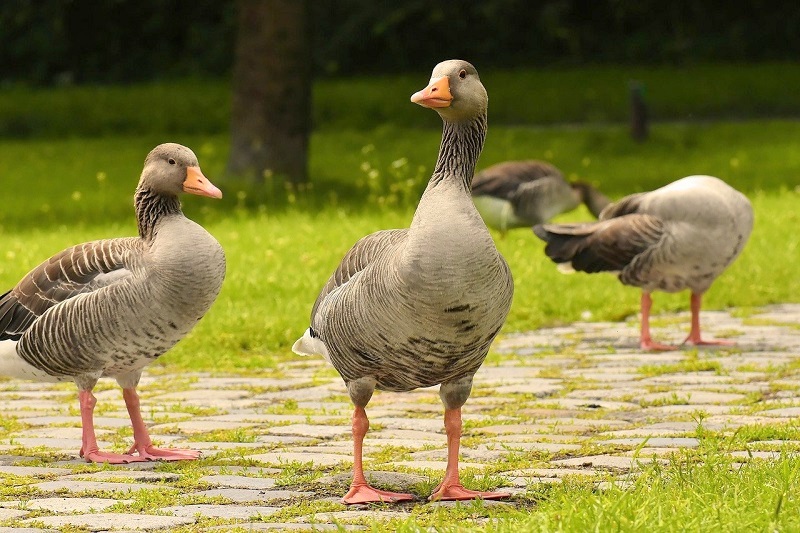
(455, 92)
(171, 169)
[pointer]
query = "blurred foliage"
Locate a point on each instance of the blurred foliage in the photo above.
(68, 41)
(546, 95)
(64, 41)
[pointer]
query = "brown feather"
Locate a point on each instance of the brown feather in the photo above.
(608, 245)
(72, 271)
(503, 179)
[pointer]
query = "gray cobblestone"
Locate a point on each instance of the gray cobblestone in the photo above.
(558, 411)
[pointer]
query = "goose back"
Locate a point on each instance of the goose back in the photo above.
(503, 179)
(517, 194)
(683, 235)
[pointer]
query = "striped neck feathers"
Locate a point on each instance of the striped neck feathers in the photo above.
(150, 208)
(461, 146)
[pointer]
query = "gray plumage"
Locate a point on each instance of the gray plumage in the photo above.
(516, 194)
(681, 236)
(110, 307)
(416, 307)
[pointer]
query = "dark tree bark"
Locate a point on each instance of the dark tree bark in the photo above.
(271, 104)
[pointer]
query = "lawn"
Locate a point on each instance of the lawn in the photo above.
(684, 495)
(282, 243)
(282, 246)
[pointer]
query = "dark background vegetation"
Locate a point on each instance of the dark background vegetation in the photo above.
(46, 42)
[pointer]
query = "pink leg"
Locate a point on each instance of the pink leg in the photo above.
(89, 448)
(694, 335)
(141, 438)
(360, 491)
(646, 342)
(451, 488)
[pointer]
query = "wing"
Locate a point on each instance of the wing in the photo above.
(357, 258)
(625, 206)
(76, 270)
(608, 245)
(503, 180)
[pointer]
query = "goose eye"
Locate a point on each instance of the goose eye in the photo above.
(462, 74)
(171, 161)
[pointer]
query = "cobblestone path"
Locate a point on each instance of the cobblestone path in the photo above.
(574, 400)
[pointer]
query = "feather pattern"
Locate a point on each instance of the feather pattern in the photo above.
(357, 258)
(503, 179)
(78, 269)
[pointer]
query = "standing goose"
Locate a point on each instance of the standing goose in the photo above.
(416, 307)
(108, 308)
(517, 194)
(681, 236)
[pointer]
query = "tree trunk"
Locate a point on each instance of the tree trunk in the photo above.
(271, 104)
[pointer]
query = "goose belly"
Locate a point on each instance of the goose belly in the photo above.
(400, 361)
(426, 361)
(674, 281)
(110, 336)
(415, 340)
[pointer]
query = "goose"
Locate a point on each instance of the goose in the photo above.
(681, 236)
(417, 307)
(516, 194)
(108, 308)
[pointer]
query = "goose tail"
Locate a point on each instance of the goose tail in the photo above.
(311, 344)
(564, 241)
(13, 366)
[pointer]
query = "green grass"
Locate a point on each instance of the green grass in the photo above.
(282, 245)
(716, 495)
(542, 96)
(696, 492)
(691, 364)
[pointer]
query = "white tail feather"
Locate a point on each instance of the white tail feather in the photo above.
(565, 268)
(12, 365)
(308, 345)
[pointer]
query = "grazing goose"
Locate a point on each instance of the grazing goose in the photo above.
(108, 308)
(681, 236)
(417, 307)
(517, 194)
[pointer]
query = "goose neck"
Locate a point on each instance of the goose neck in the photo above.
(150, 208)
(591, 197)
(459, 150)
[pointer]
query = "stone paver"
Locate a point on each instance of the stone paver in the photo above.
(66, 505)
(106, 521)
(221, 511)
(577, 400)
(239, 482)
(6, 514)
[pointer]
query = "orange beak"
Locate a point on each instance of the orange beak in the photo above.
(436, 94)
(196, 183)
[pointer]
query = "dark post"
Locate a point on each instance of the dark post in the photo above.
(638, 111)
